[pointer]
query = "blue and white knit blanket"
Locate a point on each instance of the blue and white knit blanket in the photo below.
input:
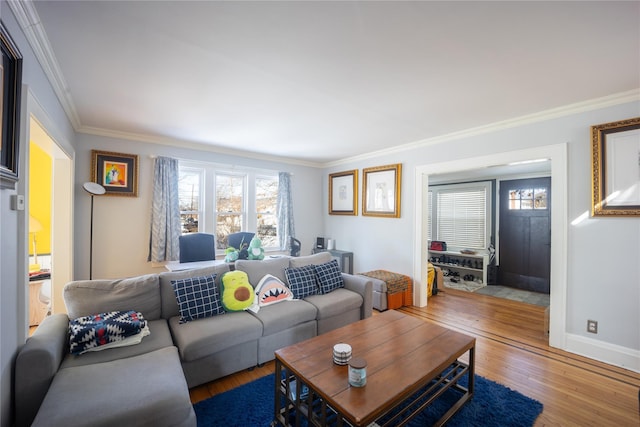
(105, 330)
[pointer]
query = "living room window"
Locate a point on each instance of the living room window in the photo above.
(218, 201)
(461, 215)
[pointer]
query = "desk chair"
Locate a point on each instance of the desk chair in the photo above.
(242, 238)
(197, 247)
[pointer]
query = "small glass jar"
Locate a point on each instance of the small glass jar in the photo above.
(357, 372)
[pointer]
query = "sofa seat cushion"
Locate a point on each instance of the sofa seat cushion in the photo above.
(145, 390)
(87, 297)
(204, 337)
(159, 337)
(285, 315)
(335, 303)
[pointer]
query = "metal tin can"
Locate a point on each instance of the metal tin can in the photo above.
(357, 372)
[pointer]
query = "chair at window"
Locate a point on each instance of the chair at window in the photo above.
(240, 240)
(197, 247)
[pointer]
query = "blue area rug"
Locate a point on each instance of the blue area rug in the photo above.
(492, 405)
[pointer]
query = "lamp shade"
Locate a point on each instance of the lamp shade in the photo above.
(94, 188)
(34, 225)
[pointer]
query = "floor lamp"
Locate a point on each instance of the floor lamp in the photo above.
(94, 189)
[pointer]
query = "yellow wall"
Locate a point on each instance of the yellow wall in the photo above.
(40, 173)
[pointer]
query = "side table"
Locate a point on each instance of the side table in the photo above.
(345, 258)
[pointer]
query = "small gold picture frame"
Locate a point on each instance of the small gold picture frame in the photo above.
(381, 191)
(343, 193)
(615, 152)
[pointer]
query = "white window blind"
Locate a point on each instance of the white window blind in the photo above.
(462, 218)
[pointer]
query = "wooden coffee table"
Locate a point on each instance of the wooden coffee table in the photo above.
(404, 356)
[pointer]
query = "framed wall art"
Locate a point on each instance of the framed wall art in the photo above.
(615, 152)
(343, 193)
(381, 191)
(116, 172)
(10, 88)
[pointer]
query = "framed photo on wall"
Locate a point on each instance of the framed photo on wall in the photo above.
(615, 152)
(381, 191)
(116, 172)
(343, 193)
(10, 89)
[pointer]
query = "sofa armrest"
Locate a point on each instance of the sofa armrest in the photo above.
(36, 365)
(363, 286)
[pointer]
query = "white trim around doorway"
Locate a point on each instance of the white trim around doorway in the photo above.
(559, 182)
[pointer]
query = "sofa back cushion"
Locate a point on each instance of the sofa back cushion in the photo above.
(169, 302)
(87, 297)
(256, 270)
(315, 259)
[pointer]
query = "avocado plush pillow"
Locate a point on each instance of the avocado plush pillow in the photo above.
(237, 293)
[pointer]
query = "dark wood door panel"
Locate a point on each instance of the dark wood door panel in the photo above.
(525, 236)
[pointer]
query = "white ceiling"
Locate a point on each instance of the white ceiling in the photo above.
(323, 81)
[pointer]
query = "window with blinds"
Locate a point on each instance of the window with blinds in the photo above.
(461, 215)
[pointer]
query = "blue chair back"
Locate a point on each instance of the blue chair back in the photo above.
(197, 247)
(242, 238)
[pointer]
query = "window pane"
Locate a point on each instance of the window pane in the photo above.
(189, 189)
(189, 196)
(189, 223)
(229, 193)
(227, 224)
(540, 198)
(266, 206)
(528, 198)
(230, 206)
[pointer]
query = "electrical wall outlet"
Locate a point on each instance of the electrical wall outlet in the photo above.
(592, 326)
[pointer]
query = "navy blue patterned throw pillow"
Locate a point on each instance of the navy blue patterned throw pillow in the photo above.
(329, 276)
(302, 281)
(198, 297)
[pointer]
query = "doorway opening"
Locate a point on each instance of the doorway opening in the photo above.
(53, 252)
(557, 154)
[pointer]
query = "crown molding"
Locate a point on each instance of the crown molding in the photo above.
(200, 146)
(579, 107)
(28, 19)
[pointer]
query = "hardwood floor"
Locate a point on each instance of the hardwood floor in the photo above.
(512, 349)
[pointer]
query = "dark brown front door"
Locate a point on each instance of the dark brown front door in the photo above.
(525, 234)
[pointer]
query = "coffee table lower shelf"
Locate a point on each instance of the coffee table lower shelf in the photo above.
(295, 400)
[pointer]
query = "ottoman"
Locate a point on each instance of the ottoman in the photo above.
(390, 290)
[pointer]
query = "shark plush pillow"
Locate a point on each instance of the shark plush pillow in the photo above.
(270, 290)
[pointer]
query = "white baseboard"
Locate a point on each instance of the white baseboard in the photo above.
(604, 352)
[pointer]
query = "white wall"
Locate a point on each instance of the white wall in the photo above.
(603, 272)
(121, 224)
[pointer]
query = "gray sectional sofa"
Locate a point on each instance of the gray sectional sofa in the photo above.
(148, 383)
